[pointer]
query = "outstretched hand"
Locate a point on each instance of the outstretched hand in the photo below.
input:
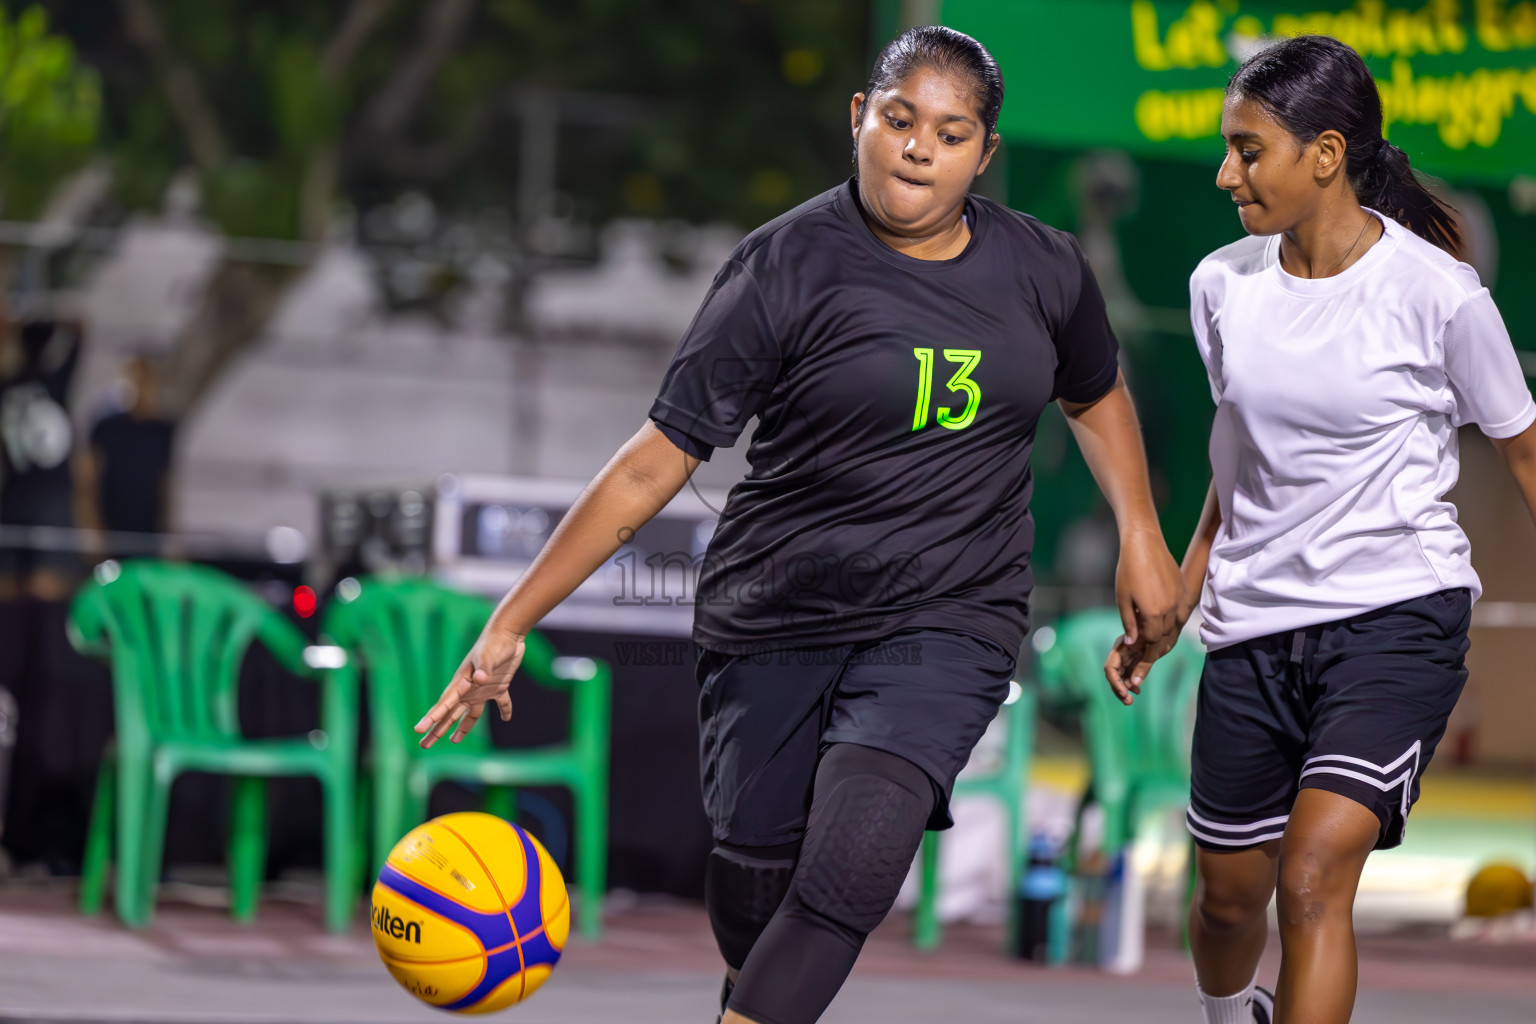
(1149, 590)
(483, 676)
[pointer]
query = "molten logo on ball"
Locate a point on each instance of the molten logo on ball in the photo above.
(470, 913)
(398, 928)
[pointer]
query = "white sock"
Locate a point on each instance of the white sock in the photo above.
(1233, 1009)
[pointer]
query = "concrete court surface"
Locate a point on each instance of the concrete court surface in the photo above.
(656, 964)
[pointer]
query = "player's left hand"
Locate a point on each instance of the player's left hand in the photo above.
(483, 676)
(1149, 590)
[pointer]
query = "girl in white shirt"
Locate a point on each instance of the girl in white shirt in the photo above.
(1345, 345)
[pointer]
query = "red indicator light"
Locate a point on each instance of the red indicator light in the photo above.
(304, 602)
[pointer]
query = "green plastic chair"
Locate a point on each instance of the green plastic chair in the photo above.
(1138, 756)
(1008, 785)
(175, 636)
(409, 636)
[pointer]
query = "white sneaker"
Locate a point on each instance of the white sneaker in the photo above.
(725, 996)
(1263, 1005)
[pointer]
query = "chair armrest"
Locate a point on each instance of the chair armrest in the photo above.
(340, 704)
(86, 625)
(323, 656)
(325, 664)
(591, 686)
(284, 640)
(574, 670)
(587, 680)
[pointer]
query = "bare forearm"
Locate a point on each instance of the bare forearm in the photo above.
(1147, 584)
(1527, 480)
(1520, 456)
(1197, 557)
(637, 483)
(1109, 436)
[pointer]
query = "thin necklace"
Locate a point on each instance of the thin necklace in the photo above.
(1368, 219)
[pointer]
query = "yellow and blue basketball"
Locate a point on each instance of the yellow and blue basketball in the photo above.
(470, 913)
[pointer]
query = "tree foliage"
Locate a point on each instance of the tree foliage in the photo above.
(493, 116)
(288, 107)
(49, 110)
(751, 98)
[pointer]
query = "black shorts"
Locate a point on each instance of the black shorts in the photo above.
(1354, 707)
(924, 695)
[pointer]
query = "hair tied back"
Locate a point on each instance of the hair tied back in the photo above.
(1314, 84)
(948, 52)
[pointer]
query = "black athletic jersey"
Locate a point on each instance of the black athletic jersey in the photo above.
(134, 455)
(897, 398)
(37, 437)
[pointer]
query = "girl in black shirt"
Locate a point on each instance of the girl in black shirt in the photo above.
(865, 594)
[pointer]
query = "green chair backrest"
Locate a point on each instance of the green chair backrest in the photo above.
(176, 635)
(411, 635)
(1138, 756)
(1069, 669)
(1149, 738)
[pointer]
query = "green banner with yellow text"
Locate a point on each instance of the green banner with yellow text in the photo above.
(1457, 77)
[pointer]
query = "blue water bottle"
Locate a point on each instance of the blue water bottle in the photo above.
(1041, 887)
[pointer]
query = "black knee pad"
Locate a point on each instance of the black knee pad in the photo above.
(743, 886)
(865, 826)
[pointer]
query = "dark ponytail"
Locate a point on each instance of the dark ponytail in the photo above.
(948, 52)
(1313, 84)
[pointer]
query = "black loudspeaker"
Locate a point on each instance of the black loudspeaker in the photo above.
(7, 746)
(384, 530)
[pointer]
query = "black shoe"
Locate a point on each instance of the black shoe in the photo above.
(1263, 1005)
(725, 996)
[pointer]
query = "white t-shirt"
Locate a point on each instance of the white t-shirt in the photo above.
(1337, 403)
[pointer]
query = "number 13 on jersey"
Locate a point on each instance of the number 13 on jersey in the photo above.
(961, 381)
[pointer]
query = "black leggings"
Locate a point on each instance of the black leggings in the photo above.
(868, 811)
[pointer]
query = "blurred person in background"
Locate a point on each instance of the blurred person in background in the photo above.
(36, 455)
(1344, 344)
(124, 469)
(865, 594)
(49, 803)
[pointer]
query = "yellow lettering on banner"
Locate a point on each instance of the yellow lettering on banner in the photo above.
(1373, 27)
(1503, 26)
(1528, 91)
(1249, 26)
(1303, 24)
(1193, 40)
(1446, 16)
(1189, 114)
(1376, 30)
(1368, 27)
(1144, 37)
(1467, 109)
(1149, 116)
